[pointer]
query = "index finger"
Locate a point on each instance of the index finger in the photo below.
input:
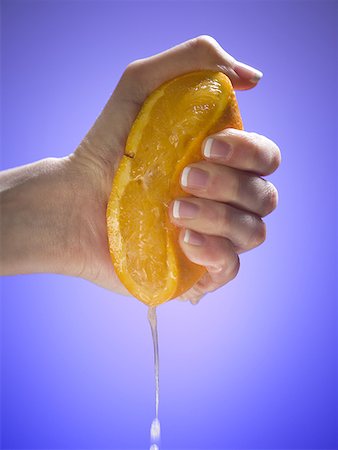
(243, 150)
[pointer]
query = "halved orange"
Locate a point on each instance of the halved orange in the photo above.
(165, 137)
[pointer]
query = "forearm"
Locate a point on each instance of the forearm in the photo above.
(33, 235)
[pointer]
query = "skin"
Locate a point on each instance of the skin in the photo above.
(53, 211)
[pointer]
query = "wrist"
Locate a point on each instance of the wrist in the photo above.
(37, 218)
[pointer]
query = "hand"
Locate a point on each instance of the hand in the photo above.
(229, 207)
(223, 219)
(86, 177)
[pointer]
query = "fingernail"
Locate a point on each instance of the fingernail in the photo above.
(248, 72)
(184, 210)
(190, 237)
(214, 269)
(214, 148)
(195, 301)
(193, 177)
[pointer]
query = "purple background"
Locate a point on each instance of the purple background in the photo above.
(253, 366)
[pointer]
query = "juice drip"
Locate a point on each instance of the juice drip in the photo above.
(155, 429)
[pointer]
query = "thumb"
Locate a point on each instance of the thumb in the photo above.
(108, 135)
(248, 76)
(201, 53)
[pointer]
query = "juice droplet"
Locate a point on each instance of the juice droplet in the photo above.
(155, 429)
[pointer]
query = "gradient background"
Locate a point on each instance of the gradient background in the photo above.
(253, 366)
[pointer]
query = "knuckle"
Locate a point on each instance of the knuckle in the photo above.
(259, 234)
(270, 200)
(202, 42)
(255, 233)
(276, 157)
(265, 151)
(133, 69)
(255, 139)
(222, 221)
(219, 182)
(133, 81)
(233, 268)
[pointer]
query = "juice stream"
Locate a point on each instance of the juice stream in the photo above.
(155, 429)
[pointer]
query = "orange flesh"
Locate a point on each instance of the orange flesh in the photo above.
(165, 137)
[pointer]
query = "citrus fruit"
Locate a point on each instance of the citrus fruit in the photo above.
(165, 137)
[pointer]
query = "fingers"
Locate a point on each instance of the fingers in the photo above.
(242, 150)
(201, 53)
(216, 253)
(219, 257)
(222, 218)
(246, 231)
(235, 187)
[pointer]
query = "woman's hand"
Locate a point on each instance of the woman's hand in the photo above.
(223, 219)
(229, 207)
